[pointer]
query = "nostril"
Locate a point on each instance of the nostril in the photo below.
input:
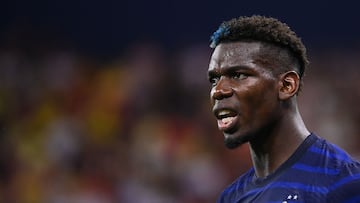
(221, 93)
(216, 94)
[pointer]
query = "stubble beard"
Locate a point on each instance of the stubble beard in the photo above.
(234, 142)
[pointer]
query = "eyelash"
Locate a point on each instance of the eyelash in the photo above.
(239, 75)
(214, 80)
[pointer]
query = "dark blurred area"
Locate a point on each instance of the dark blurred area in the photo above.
(104, 102)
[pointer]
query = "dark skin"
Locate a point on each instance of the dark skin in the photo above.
(254, 103)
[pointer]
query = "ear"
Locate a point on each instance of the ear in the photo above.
(289, 84)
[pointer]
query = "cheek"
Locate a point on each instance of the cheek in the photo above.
(260, 101)
(266, 105)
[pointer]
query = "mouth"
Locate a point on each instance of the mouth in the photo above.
(226, 119)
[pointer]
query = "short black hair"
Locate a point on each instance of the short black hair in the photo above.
(264, 29)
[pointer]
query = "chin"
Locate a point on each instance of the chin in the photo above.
(234, 141)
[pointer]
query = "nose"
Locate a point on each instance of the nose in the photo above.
(221, 90)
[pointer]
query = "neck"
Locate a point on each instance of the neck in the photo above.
(277, 144)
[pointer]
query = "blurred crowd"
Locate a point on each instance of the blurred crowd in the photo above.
(137, 128)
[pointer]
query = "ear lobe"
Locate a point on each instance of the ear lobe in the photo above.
(289, 85)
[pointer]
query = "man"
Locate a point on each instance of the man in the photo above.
(256, 72)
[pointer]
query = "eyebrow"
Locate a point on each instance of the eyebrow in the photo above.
(226, 70)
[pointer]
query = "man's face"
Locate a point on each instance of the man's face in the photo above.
(244, 93)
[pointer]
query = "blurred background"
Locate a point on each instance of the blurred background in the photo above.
(108, 101)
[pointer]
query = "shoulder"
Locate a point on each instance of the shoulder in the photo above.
(334, 156)
(346, 187)
(346, 182)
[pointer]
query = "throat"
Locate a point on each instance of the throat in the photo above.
(267, 156)
(262, 165)
(270, 157)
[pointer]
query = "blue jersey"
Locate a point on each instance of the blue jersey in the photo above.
(318, 171)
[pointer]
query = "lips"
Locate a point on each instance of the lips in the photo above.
(226, 119)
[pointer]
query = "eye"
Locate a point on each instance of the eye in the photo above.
(213, 80)
(240, 75)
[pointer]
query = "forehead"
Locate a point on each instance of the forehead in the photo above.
(234, 54)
